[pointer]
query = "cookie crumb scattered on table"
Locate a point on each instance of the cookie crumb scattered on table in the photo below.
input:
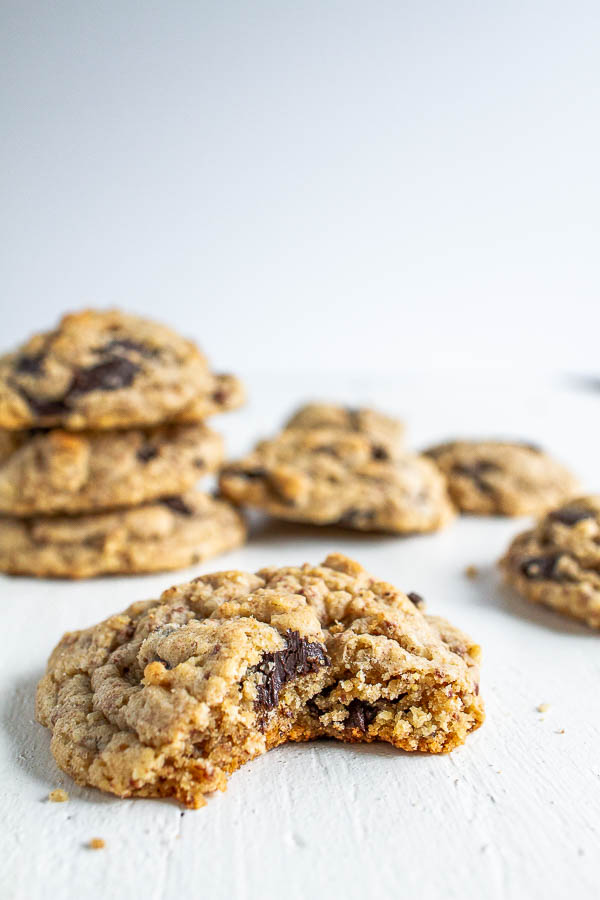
(471, 571)
(58, 796)
(96, 844)
(543, 707)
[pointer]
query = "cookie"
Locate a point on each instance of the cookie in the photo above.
(502, 478)
(557, 563)
(58, 471)
(167, 534)
(366, 421)
(222, 393)
(172, 695)
(100, 370)
(330, 476)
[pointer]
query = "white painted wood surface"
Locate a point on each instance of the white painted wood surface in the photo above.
(514, 813)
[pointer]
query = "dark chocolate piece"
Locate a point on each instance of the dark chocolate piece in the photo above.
(299, 657)
(360, 715)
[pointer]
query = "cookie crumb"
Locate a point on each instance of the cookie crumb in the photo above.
(471, 571)
(543, 707)
(561, 731)
(96, 844)
(58, 796)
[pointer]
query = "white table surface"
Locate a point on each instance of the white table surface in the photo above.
(513, 813)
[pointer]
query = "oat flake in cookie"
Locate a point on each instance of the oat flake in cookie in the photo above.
(56, 471)
(331, 476)
(100, 370)
(557, 563)
(169, 533)
(172, 695)
(502, 478)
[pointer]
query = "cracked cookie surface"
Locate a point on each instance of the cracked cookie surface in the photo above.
(100, 369)
(557, 563)
(56, 471)
(502, 478)
(169, 533)
(331, 476)
(171, 696)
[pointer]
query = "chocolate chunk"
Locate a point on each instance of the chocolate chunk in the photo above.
(199, 463)
(416, 599)
(219, 396)
(300, 657)
(538, 568)
(571, 515)
(117, 372)
(360, 715)
(356, 517)
(250, 474)
(146, 453)
(177, 505)
(476, 472)
(43, 407)
(30, 365)
(380, 453)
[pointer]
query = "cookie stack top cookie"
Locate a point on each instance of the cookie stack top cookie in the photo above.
(100, 418)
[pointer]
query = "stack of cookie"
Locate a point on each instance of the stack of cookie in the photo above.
(102, 441)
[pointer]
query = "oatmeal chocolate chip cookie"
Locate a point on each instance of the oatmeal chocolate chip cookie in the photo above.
(170, 533)
(502, 478)
(100, 370)
(222, 393)
(366, 421)
(329, 476)
(557, 563)
(171, 696)
(47, 472)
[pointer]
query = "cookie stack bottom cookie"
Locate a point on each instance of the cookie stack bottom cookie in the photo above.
(102, 481)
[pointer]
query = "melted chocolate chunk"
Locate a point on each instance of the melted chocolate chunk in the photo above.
(177, 505)
(538, 568)
(30, 365)
(476, 472)
(300, 657)
(571, 515)
(146, 453)
(416, 599)
(117, 372)
(219, 396)
(356, 517)
(360, 715)
(380, 453)
(44, 407)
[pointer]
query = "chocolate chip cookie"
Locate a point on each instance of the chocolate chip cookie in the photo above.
(47, 472)
(100, 370)
(502, 478)
(366, 421)
(170, 533)
(331, 476)
(172, 695)
(557, 563)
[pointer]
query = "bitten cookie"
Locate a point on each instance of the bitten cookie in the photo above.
(166, 534)
(331, 476)
(172, 695)
(557, 563)
(58, 471)
(100, 370)
(502, 478)
(366, 421)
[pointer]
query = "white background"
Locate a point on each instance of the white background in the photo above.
(366, 185)
(341, 199)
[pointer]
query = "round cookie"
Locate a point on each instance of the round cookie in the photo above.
(171, 533)
(557, 563)
(100, 370)
(502, 478)
(329, 476)
(172, 695)
(48, 472)
(366, 421)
